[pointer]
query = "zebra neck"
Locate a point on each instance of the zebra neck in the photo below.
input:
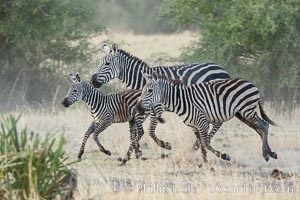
(171, 96)
(131, 72)
(91, 96)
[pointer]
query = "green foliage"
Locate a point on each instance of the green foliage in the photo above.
(31, 167)
(255, 39)
(39, 41)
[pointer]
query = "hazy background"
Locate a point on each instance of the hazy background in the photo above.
(41, 41)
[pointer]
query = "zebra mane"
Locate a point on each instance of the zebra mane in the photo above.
(164, 77)
(127, 54)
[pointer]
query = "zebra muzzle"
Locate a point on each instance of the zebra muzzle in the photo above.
(65, 102)
(139, 108)
(95, 82)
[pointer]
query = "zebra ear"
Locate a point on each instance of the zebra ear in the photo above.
(115, 47)
(106, 48)
(78, 77)
(72, 77)
(147, 77)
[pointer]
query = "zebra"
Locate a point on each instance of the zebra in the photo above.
(108, 109)
(128, 68)
(210, 102)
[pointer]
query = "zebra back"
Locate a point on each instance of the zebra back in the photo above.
(218, 100)
(128, 68)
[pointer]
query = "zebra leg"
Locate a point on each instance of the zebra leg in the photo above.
(211, 134)
(139, 132)
(135, 136)
(200, 145)
(153, 123)
(261, 127)
(90, 130)
(99, 127)
(203, 129)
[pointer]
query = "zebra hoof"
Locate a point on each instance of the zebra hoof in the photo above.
(163, 156)
(167, 146)
(196, 146)
(80, 155)
(138, 154)
(225, 156)
(273, 155)
(107, 152)
(267, 158)
(119, 159)
(123, 162)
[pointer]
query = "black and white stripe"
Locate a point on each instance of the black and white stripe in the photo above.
(210, 102)
(111, 108)
(128, 68)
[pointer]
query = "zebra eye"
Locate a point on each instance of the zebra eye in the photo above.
(107, 63)
(150, 90)
(75, 90)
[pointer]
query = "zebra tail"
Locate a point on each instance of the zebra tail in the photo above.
(161, 120)
(264, 115)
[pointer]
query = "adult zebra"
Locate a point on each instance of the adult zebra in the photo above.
(210, 102)
(128, 68)
(107, 109)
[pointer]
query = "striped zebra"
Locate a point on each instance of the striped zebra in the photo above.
(210, 102)
(107, 109)
(128, 68)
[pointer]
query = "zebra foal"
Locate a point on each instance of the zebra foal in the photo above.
(108, 109)
(210, 102)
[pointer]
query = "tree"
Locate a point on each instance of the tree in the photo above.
(255, 39)
(38, 39)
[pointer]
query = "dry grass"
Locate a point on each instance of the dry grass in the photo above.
(246, 176)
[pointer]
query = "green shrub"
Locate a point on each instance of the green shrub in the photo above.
(254, 39)
(31, 166)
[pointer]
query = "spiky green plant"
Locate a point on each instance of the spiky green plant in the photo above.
(32, 166)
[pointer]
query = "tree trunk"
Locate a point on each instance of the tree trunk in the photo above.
(25, 81)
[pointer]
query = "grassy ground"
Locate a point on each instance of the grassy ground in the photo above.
(181, 173)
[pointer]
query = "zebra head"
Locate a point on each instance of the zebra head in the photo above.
(75, 92)
(108, 67)
(151, 94)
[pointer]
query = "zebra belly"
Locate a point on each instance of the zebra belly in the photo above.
(212, 114)
(219, 120)
(122, 120)
(189, 120)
